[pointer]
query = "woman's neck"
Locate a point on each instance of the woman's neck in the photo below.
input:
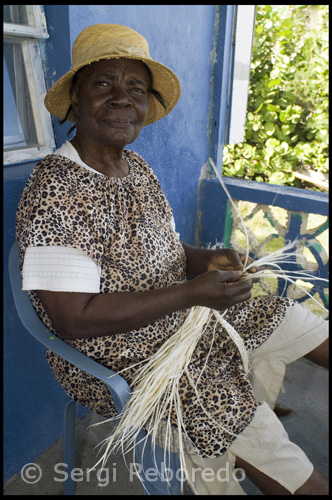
(107, 160)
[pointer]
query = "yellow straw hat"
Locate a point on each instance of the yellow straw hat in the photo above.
(112, 41)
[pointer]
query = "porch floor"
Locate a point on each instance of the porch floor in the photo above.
(306, 387)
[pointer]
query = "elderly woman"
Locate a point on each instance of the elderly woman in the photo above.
(106, 271)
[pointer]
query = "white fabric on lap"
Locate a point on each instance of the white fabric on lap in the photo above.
(60, 269)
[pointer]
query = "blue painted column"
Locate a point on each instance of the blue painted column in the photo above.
(220, 77)
(211, 211)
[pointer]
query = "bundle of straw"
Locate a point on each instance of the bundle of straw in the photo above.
(156, 395)
(156, 384)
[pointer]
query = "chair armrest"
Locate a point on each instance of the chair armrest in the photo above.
(118, 387)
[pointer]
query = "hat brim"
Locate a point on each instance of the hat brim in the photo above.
(57, 100)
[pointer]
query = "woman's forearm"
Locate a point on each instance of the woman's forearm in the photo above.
(83, 315)
(130, 311)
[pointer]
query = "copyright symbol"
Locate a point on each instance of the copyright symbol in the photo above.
(31, 473)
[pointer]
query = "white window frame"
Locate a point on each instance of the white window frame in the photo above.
(29, 37)
(244, 36)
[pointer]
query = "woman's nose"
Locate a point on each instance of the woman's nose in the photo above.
(119, 96)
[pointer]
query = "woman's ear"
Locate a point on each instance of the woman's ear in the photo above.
(74, 102)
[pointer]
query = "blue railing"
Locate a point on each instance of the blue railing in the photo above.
(217, 223)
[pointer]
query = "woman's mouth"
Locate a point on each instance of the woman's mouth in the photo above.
(118, 122)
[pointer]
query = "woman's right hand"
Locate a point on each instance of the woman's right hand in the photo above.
(219, 289)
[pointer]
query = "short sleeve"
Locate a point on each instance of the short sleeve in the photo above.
(60, 207)
(60, 269)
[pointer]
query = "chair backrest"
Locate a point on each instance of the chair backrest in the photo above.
(118, 387)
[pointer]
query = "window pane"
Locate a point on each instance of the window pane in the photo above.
(19, 128)
(16, 14)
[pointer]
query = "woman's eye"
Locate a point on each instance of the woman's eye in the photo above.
(138, 90)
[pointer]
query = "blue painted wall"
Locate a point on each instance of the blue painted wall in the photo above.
(180, 36)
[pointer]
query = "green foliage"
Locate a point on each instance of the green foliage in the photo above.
(287, 120)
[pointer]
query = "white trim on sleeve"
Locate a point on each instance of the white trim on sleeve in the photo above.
(60, 269)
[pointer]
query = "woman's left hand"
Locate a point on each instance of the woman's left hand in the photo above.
(201, 260)
(228, 259)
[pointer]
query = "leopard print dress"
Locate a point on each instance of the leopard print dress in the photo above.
(124, 225)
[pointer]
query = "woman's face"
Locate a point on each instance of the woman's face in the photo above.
(111, 101)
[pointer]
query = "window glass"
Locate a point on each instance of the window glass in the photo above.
(17, 14)
(27, 126)
(19, 128)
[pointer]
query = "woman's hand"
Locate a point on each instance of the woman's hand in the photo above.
(219, 289)
(201, 260)
(228, 259)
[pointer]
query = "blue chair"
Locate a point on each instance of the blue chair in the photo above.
(146, 457)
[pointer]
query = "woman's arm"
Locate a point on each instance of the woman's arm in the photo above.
(84, 315)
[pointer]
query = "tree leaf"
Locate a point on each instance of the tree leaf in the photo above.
(269, 128)
(274, 83)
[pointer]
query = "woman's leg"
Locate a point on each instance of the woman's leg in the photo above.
(271, 461)
(317, 484)
(283, 469)
(320, 355)
(300, 334)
